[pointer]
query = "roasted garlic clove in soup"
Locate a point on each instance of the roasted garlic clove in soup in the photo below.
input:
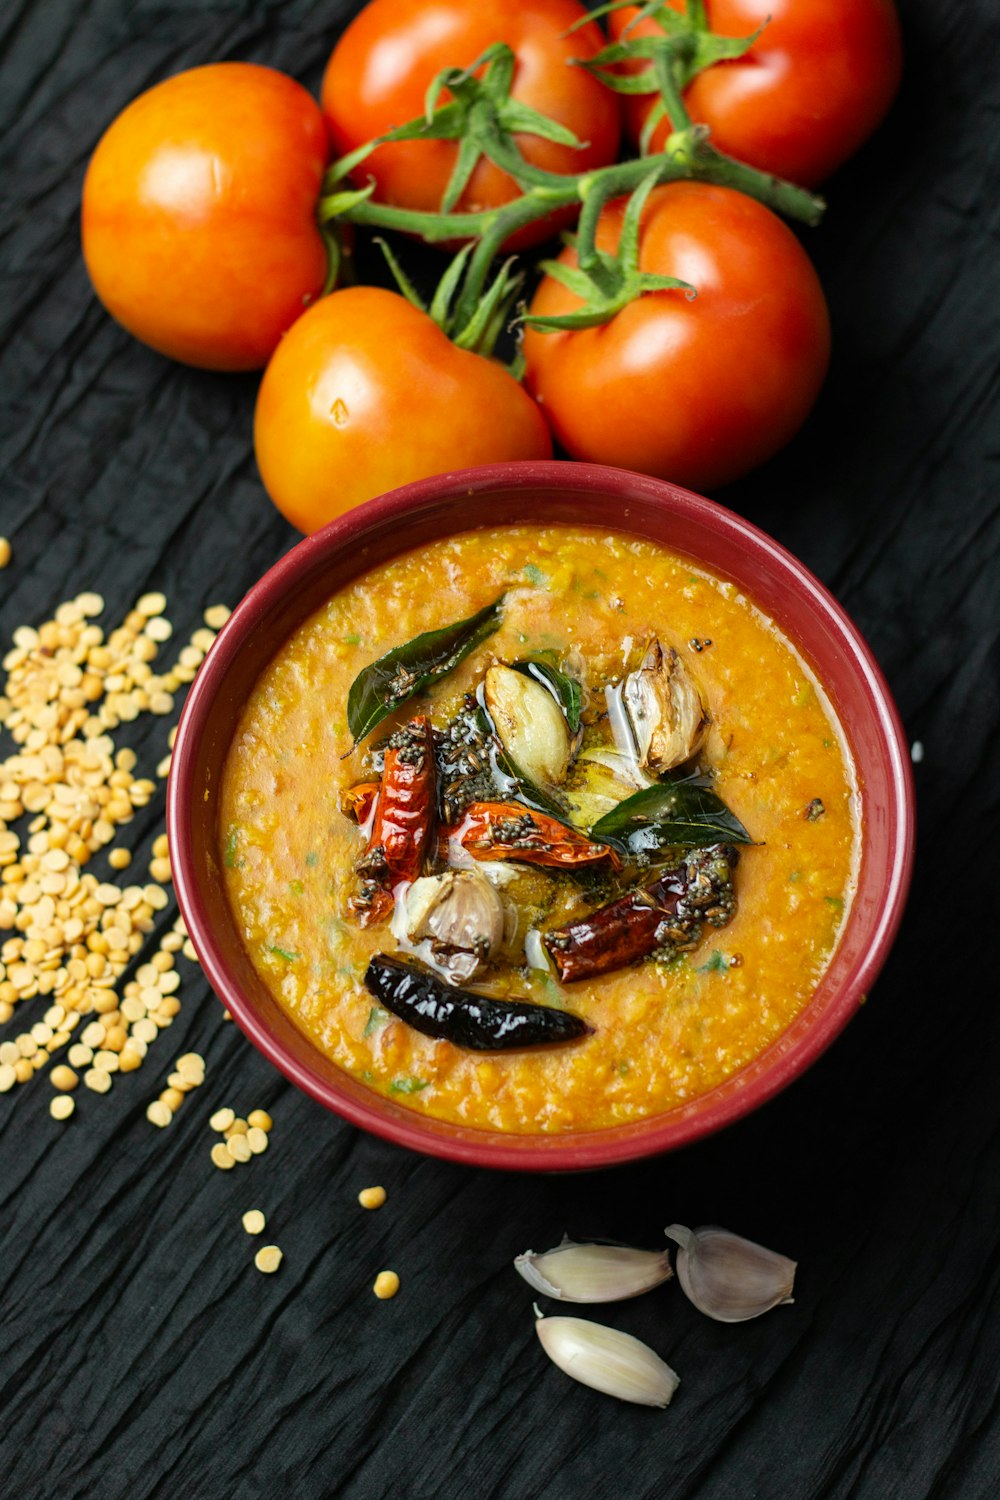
(529, 723)
(665, 712)
(461, 918)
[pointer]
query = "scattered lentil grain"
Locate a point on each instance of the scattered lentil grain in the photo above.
(62, 1106)
(222, 1119)
(261, 1119)
(386, 1285)
(159, 1113)
(221, 1157)
(254, 1221)
(268, 1259)
(372, 1197)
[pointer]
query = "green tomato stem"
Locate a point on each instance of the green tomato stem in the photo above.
(686, 156)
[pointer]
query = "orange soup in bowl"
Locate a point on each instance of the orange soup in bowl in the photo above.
(539, 830)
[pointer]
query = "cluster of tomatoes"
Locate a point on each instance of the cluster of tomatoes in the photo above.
(202, 236)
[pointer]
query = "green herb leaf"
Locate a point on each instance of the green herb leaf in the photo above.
(674, 814)
(377, 1018)
(284, 953)
(311, 859)
(408, 1085)
(534, 575)
(717, 964)
(406, 670)
(229, 855)
(567, 692)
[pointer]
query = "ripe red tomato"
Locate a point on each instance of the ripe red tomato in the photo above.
(365, 393)
(199, 214)
(805, 96)
(383, 65)
(695, 391)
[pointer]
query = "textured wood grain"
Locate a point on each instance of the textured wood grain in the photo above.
(140, 1353)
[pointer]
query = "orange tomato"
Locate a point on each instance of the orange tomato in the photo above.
(199, 214)
(366, 393)
(811, 89)
(696, 391)
(381, 68)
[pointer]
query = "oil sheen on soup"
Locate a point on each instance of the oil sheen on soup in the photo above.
(671, 686)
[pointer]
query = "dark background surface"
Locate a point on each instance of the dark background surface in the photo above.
(141, 1354)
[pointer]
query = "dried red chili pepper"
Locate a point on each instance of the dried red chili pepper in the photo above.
(403, 820)
(509, 830)
(667, 914)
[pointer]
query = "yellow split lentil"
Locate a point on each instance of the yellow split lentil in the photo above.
(66, 794)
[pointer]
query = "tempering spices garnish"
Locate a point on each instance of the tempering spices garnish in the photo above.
(523, 741)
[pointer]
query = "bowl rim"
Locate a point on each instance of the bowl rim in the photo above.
(539, 1152)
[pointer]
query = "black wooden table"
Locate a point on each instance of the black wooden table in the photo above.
(141, 1355)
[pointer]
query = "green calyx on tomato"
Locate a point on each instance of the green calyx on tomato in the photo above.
(683, 48)
(606, 283)
(479, 332)
(400, 60)
(480, 116)
(810, 88)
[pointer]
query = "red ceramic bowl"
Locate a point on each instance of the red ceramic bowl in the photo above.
(581, 495)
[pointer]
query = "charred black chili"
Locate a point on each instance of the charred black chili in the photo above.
(418, 997)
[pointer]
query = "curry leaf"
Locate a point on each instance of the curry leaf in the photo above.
(406, 670)
(677, 814)
(567, 693)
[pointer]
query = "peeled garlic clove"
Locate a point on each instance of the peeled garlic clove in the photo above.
(600, 779)
(727, 1277)
(607, 1361)
(455, 920)
(594, 1273)
(665, 712)
(529, 724)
